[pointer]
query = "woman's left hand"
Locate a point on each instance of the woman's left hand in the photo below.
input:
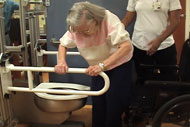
(93, 70)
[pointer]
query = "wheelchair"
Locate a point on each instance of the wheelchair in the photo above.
(162, 103)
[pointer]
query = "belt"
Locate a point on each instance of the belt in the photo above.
(6, 33)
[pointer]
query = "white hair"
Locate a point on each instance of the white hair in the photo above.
(84, 9)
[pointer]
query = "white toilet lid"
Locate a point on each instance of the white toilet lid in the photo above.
(61, 85)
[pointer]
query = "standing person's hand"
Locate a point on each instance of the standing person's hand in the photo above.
(93, 70)
(154, 45)
(61, 68)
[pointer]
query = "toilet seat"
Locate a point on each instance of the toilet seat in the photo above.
(61, 85)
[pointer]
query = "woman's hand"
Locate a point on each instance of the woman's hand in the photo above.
(93, 70)
(61, 68)
(154, 45)
(174, 20)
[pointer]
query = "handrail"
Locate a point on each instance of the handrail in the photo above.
(44, 52)
(31, 88)
(56, 52)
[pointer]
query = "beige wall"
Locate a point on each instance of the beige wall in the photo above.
(187, 22)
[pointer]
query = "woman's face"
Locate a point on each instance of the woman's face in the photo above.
(87, 28)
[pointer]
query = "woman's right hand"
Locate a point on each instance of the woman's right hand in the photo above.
(61, 68)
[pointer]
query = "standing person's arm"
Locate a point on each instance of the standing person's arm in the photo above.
(128, 18)
(61, 67)
(130, 13)
(174, 20)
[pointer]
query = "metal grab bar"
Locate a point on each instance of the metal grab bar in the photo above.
(56, 52)
(11, 67)
(44, 52)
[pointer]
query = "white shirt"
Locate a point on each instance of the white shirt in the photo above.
(95, 49)
(149, 23)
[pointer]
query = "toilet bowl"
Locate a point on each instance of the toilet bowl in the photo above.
(60, 102)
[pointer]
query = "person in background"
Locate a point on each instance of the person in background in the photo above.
(8, 11)
(102, 40)
(153, 42)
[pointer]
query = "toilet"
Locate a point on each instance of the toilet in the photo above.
(58, 103)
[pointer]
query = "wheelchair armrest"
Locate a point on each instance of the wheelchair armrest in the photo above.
(147, 66)
(154, 83)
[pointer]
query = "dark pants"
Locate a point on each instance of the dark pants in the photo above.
(162, 57)
(108, 108)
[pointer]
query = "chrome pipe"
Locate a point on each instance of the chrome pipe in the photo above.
(23, 30)
(32, 38)
(2, 32)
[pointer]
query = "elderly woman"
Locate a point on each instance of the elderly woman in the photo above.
(104, 43)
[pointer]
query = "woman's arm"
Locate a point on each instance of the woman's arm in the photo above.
(124, 48)
(62, 54)
(128, 18)
(61, 67)
(174, 20)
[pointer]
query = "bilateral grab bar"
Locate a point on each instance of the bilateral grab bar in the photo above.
(11, 67)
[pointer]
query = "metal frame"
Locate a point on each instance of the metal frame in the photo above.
(2, 30)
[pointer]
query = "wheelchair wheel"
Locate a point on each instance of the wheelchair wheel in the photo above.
(174, 113)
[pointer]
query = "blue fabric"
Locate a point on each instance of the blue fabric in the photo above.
(8, 10)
